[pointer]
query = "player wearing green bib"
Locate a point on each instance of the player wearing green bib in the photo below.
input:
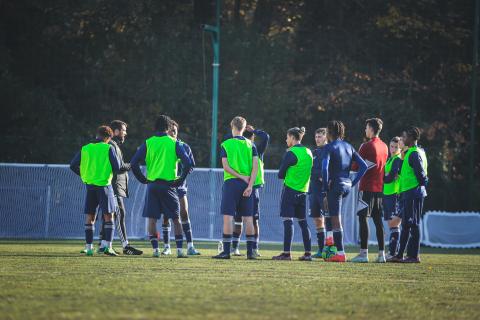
(390, 201)
(240, 165)
(95, 164)
(295, 171)
(161, 154)
(413, 181)
(262, 143)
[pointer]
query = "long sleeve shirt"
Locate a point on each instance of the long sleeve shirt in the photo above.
(394, 171)
(114, 161)
(337, 163)
(316, 175)
(262, 144)
(141, 153)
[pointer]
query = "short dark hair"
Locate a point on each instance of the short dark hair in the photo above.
(248, 134)
(163, 123)
(104, 132)
(174, 123)
(117, 125)
(395, 139)
(336, 129)
(296, 132)
(321, 131)
(376, 124)
(413, 132)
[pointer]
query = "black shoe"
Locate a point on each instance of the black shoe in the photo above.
(131, 251)
(251, 257)
(222, 255)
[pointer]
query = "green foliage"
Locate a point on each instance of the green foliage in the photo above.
(68, 66)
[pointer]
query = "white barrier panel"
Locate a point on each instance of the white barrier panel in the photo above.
(451, 230)
(47, 201)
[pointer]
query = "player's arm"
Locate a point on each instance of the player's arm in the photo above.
(325, 164)
(75, 163)
(124, 166)
(138, 157)
(114, 160)
(289, 159)
(393, 174)
(185, 162)
(363, 152)
(248, 191)
(263, 143)
(316, 173)
(362, 167)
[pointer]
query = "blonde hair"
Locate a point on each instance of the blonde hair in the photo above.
(239, 123)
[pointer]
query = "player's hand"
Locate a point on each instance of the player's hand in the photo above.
(249, 128)
(177, 183)
(246, 179)
(247, 192)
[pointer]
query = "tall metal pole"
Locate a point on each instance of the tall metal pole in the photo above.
(473, 106)
(215, 32)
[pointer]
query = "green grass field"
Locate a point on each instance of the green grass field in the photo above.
(51, 280)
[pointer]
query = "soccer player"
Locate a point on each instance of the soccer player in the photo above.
(295, 169)
(161, 154)
(182, 196)
(316, 196)
(240, 165)
(120, 188)
(413, 182)
(263, 137)
(374, 151)
(391, 188)
(96, 163)
(336, 166)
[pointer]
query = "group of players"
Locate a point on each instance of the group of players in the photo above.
(392, 187)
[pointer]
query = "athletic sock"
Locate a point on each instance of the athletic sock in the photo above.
(109, 233)
(187, 229)
(328, 223)
(154, 242)
(89, 246)
(227, 241)
(103, 243)
(190, 245)
(393, 242)
(235, 240)
(338, 239)
(166, 233)
(179, 241)
(363, 252)
(414, 242)
(250, 241)
(404, 234)
(89, 228)
(381, 253)
(287, 235)
(124, 243)
(255, 243)
(320, 238)
(306, 236)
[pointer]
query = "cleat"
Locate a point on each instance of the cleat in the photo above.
(306, 257)
(380, 259)
(256, 253)
(251, 257)
(193, 252)
(181, 254)
(222, 255)
(100, 250)
(388, 257)
(156, 254)
(220, 247)
(360, 259)
(395, 259)
(131, 251)
(83, 251)
(236, 253)
(89, 252)
(411, 260)
(283, 257)
(166, 251)
(318, 254)
(110, 252)
(337, 258)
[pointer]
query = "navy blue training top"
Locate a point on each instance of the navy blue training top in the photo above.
(316, 175)
(337, 163)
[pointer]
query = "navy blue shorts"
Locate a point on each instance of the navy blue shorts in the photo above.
(102, 197)
(316, 204)
(390, 206)
(233, 201)
(335, 197)
(412, 210)
(293, 204)
(161, 199)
